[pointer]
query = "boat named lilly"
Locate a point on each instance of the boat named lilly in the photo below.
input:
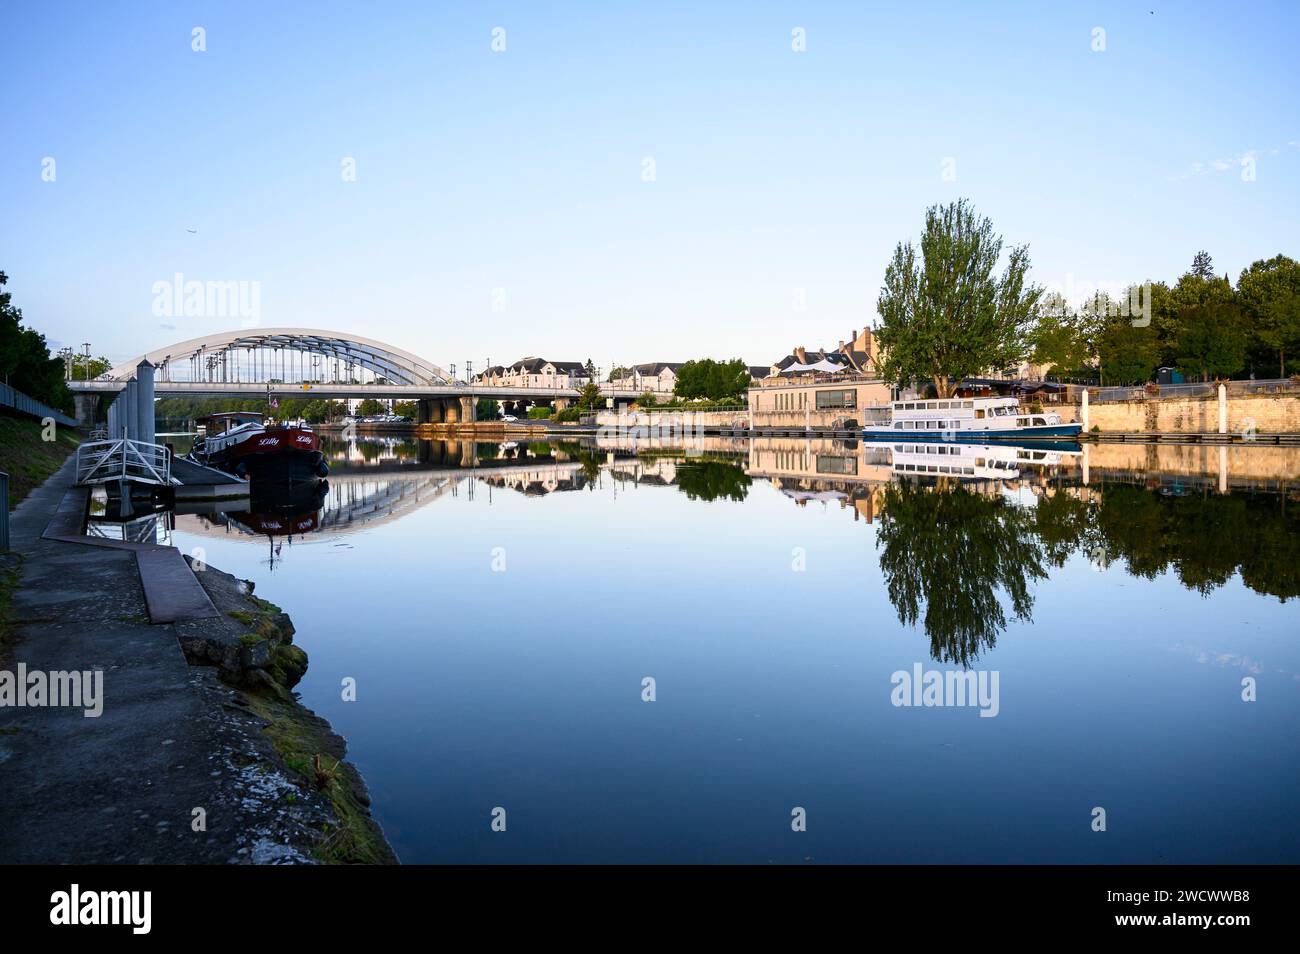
(966, 419)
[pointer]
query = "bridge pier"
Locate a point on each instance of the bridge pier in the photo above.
(87, 408)
(450, 410)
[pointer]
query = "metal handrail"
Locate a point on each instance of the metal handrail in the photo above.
(99, 462)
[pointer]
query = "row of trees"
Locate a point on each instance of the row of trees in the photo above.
(946, 315)
(711, 380)
(1202, 325)
(25, 360)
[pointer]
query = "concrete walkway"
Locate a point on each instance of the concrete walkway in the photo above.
(123, 787)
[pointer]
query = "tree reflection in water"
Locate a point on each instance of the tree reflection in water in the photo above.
(947, 552)
(713, 480)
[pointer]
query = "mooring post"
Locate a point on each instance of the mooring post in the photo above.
(1083, 410)
(1223, 409)
(144, 402)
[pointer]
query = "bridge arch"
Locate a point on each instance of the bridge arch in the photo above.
(212, 355)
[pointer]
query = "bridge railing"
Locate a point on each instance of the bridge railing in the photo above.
(99, 462)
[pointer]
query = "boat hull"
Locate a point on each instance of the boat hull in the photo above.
(1056, 432)
(281, 454)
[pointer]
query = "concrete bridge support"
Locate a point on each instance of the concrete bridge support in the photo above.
(455, 410)
(86, 407)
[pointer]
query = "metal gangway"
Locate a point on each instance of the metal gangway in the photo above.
(123, 461)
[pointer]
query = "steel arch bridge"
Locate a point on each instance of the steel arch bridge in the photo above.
(283, 355)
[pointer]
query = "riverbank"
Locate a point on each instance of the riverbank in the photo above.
(199, 753)
(26, 457)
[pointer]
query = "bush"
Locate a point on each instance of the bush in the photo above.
(539, 413)
(569, 415)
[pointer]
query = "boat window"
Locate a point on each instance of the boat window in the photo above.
(1039, 421)
(968, 470)
(968, 404)
(979, 415)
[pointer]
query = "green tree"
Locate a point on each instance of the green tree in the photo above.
(946, 316)
(1212, 341)
(25, 360)
(1126, 354)
(1202, 265)
(1193, 290)
(712, 380)
(371, 406)
(487, 409)
(409, 409)
(1060, 340)
(616, 373)
(590, 397)
(1270, 294)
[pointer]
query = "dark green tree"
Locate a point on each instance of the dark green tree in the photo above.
(1270, 294)
(1212, 341)
(1126, 354)
(25, 361)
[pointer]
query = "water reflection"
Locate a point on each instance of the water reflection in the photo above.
(963, 533)
(946, 552)
(1152, 576)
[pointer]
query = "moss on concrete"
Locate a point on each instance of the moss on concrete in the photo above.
(312, 751)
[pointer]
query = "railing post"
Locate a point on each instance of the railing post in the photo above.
(4, 512)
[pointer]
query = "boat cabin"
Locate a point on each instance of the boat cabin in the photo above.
(963, 414)
(215, 424)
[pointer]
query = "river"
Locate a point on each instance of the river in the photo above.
(635, 652)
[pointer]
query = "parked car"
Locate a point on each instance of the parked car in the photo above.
(509, 419)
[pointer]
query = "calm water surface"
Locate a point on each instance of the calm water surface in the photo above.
(500, 607)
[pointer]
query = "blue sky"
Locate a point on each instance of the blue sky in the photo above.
(516, 177)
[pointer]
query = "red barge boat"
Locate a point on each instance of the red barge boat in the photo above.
(241, 443)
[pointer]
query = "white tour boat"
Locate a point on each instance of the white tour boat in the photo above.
(965, 419)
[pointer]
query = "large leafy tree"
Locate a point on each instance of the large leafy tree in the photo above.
(1192, 291)
(1270, 294)
(945, 315)
(1212, 341)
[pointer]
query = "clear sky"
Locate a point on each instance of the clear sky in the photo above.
(500, 206)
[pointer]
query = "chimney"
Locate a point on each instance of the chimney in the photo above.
(801, 354)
